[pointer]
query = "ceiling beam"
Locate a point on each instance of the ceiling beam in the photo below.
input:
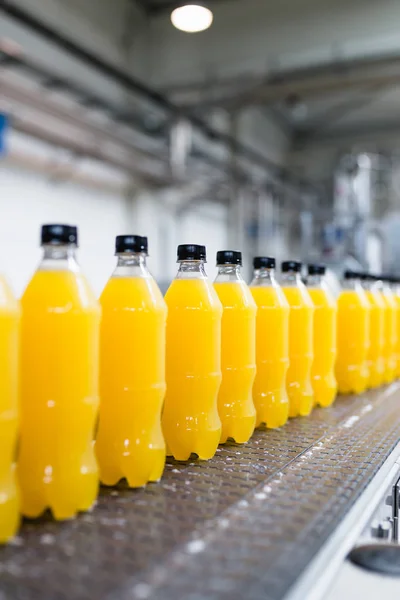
(136, 86)
(363, 131)
(275, 86)
(326, 119)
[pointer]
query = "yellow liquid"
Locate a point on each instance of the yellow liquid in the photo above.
(298, 381)
(390, 344)
(9, 332)
(130, 443)
(238, 361)
(190, 420)
(376, 363)
(323, 367)
(272, 356)
(59, 394)
(397, 299)
(352, 341)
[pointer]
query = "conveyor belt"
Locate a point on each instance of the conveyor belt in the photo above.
(245, 524)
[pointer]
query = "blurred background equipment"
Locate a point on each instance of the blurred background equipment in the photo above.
(262, 133)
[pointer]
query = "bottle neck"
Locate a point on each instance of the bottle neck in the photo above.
(291, 279)
(191, 269)
(228, 273)
(367, 285)
(352, 284)
(314, 281)
(264, 277)
(130, 264)
(59, 258)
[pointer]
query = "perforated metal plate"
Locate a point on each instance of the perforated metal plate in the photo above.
(243, 525)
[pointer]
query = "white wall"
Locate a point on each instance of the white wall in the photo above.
(30, 198)
(27, 200)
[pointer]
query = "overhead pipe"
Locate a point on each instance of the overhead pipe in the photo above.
(62, 172)
(35, 100)
(92, 151)
(316, 80)
(136, 86)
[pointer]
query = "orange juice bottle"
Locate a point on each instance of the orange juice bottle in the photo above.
(375, 359)
(272, 345)
(190, 420)
(9, 333)
(325, 314)
(390, 348)
(57, 469)
(396, 293)
(238, 350)
(353, 336)
(298, 381)
(130, 442)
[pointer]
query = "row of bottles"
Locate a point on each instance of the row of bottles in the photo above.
(368, 340)
(174, 376)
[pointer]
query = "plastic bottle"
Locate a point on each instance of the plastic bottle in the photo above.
(190, 420)
(375, 358)
(325, 315)
(238, 349)
(130, 443)
(272, 345)
(353, 335)
(390, 349)
(9, 333)
(57, 468)
(298, 381)
(396, 293)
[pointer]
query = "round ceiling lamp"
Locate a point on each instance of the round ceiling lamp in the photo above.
(192, 18)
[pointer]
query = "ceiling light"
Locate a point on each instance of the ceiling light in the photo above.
(192, 18)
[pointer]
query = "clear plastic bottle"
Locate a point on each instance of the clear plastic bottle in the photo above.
(353, 336)
(396, 293)
(390, 352)
(57, 469)
(376, 362)
(130, 443)
(299, 387)
(272, 345)
(190, 420)
(325, 315)
(238, 349)
(9, 334)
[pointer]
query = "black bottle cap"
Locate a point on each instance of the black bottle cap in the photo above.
(131, 243)
(59, 234)
(291, 265)
(229, 257)
(352, 275)
(264, 262)
(363, 275)
(191, 252)
(316, 269)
